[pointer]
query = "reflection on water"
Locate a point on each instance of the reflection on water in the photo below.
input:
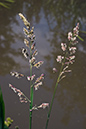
(52, 20)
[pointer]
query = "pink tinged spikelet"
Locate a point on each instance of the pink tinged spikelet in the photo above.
(70, 35)
(73, 39)
(25, 53)
(16, 74)
(70, 60)
(13, 88)
(72, 50)
(29, 36)
(65, 69)
(63, 46)
(35, 53)
(54, 70)
(27, 24)
(75, 42)
(26, 42)
(72, 57)
(26, 32)
(33, 46)
(33, 37)
(19, 93)
(62, 77)
(76, 30)
(44, 105)
(39, 78)
(16, 90)
(68, 71)
(59, 58)
(34, 108)
(32, 60)
(38, 64)
(37, 85)
(31, 77)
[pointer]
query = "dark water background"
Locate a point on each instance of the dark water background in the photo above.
(52, 20)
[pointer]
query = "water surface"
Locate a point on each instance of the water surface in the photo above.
(52, 21)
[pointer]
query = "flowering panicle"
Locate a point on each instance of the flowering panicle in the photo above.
(66, 60)
(69, 57)
(30, 54)
(30, 43)
(22, 97)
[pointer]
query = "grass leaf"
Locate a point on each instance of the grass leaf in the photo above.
(11, 1)
(2, 111)
(4, 5)
(5, 127)
(83, 32)
(80, 38)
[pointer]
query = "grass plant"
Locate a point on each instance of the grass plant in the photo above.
(66, 59)
(30, 54)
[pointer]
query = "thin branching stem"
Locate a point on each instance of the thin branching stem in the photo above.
(31, 97)
(26, 98)
(57, 82)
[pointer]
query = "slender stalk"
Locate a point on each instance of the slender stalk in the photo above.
(26, 98)
(31, 97)
(57, 82)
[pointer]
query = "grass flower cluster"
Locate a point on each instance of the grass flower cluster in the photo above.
(30, 52)
(67, 58)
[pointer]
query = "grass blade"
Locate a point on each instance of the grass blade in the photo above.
(80, 38)
(2, 111)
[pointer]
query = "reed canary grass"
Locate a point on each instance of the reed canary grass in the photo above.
(65, 61)
(30, 54)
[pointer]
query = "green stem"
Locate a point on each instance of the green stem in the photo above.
(31, 99)
(31, 96)
(57, 82)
